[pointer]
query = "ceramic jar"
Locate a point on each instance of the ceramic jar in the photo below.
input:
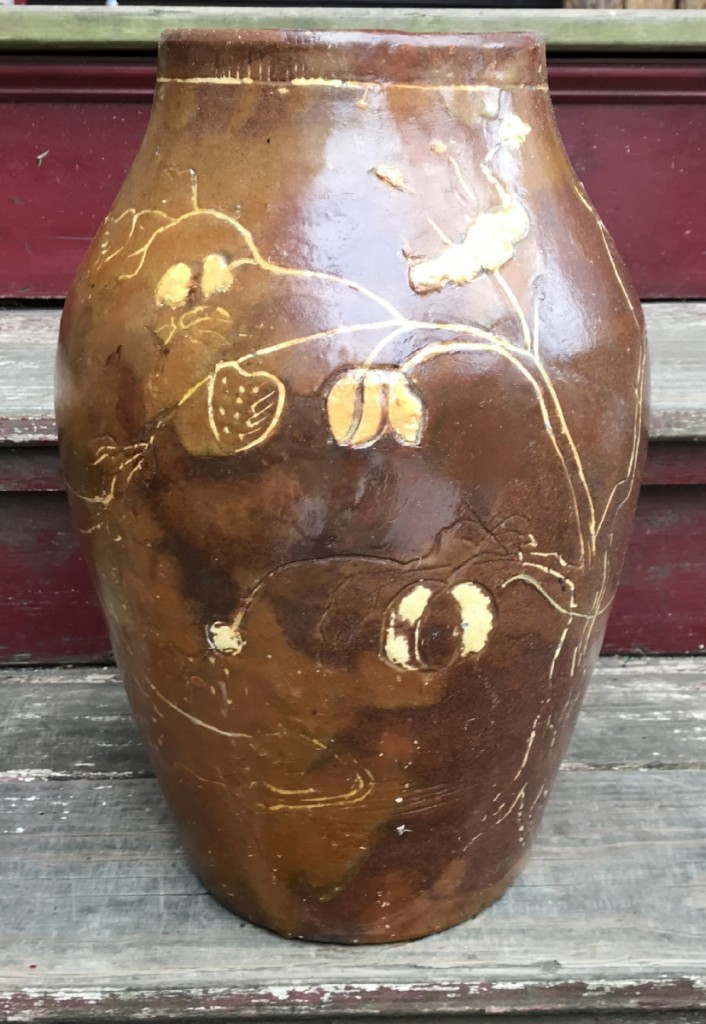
(350, 396)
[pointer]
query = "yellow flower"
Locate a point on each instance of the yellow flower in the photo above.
(365, 404)
(174, 286)
(419, 616)
(216, 276)
(488, 245)
(177, 283)
(513, 131)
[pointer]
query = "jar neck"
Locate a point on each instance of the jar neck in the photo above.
(504, 60)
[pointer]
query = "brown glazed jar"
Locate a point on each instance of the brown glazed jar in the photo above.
(350, 396)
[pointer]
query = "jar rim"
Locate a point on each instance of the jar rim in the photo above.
(337, 57)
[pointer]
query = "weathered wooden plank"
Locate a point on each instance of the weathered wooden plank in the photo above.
(594, 4)
(57, 27)
(76, 722)
(67, 723)
(677, 334)
(27, 350)
(667, 5)
(100, 917)
(642, 713)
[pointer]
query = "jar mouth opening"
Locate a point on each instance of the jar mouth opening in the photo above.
(281, 57)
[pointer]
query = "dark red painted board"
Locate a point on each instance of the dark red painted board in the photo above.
(641, 165)
(675, 462)
(636, 133)
(661, 603)
(54, 204)
(30, 469)
(48, 613)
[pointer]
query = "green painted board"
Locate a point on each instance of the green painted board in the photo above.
(138, 28)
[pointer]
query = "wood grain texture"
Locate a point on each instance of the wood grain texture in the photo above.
(664, 5)
(68, 723)
(602, 5)
(676, 331)
(66, 27)
(64, 723)
(27, 351)
(101, 918)
(677, 335)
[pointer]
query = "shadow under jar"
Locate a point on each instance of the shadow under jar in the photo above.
(350, 395)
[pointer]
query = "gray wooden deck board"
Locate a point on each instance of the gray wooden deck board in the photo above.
(67, 27)
(95, 893)
(101, 918)
(677, 335)
(76, 722)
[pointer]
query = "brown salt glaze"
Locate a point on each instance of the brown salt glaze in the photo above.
(350, 393)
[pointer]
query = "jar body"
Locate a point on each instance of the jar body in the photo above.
(350, 396)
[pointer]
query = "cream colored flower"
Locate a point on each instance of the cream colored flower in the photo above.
(365, 404)
(216, 277)
(513, 131)
(174, 286)
(213, 277)
(417, 614)
(225, 638)
(489, 244)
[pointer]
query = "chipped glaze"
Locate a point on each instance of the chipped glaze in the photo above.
(350, 392)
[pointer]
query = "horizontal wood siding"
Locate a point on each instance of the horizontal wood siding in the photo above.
(676, 333)
(635, 134)
(50, 612)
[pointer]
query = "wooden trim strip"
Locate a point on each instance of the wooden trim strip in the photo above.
(55, 28)
(622, 80)
(132, 80)
(33, 468)
(53, 79)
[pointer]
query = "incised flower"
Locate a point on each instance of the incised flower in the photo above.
(365, 404)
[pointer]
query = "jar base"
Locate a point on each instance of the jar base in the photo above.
(409, 925)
